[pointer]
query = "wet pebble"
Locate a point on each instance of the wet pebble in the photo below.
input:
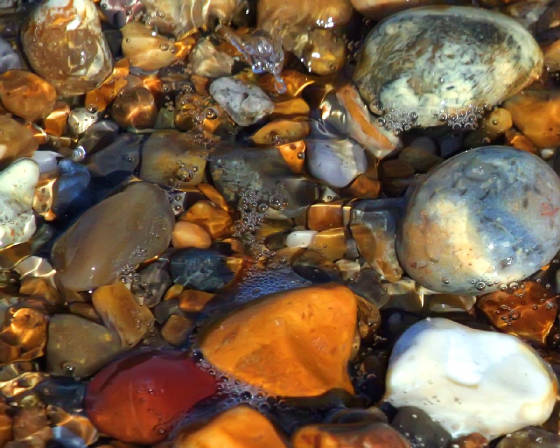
(246, 104)
(485, 218)
(64, 44)
(420, 429)
(403, 70)
(530, 438)
(15, 140)
(206, 270)
(288, 344)
(336, 162)
(9, 59)
(472, 380)
(141, 222)
(141, 397)
(17, 186)
(79, 347)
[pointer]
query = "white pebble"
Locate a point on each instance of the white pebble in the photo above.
(300, 238)
(470, 380)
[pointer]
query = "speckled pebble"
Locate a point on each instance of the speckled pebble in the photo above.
(482, 219)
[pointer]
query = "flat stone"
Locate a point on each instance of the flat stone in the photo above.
(470, 380)
(427, 66)
(290, 343)
(87, 256)
(17, 187)
(240, 427)
(246, 104)
(79, 347)
(483, 219)
(336, 162)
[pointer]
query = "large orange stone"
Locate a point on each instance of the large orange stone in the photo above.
(240, 427)
(294, 343)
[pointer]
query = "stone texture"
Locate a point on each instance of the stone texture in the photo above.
(121, 231)
(482, 219)
(187, 234)
(15, 140)
(336, 162)
(63, 42)
(200, 269)
(240, 427)
(17, 187)
(470, 380)
(26, 95)
(79, 347)
(426, 66)
(294, 343)
(246, 104)
(142, 397)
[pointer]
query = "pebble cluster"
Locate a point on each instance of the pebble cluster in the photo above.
(279, 223)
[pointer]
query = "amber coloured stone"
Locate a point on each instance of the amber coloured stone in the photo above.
(26, 95)
(240, 427)
(296, 343)
(141, 397)
(528, 312)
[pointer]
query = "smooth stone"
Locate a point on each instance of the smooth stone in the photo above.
(119, 159)
(378, 9)
(26, 95)
(420, 429)
(300, 238)
(349, 435)
(87, 255)
(239, 427)
(427, 66)
(213, 219)
(142, 397)
(64, 43)
(237, 171)
(9, 59)
(470, 380)
(288, 344)
(17, 187)
(79, 347)
(530, 438)
(246, 104)
(172, 158)
(336, 162)
(70, 188)
(535, 113)
(182, 16)
(200, 269)
(187, 234)
(15, 140)
(80, 120)
(120, 311)
(482, 219)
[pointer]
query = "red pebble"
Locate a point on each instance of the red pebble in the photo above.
(141, 397)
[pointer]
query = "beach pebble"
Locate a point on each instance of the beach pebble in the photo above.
(470, 380)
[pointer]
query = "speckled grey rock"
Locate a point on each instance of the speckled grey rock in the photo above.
(246, 104)
(17, 186)
(482, 219)
(201, 269)
(429, 65)
(336, 162)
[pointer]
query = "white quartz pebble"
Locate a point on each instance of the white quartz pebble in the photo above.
(470, 380)
(17, 186)
(246, 104)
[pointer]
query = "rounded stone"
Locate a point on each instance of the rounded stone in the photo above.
(482, 219)
(429, 65)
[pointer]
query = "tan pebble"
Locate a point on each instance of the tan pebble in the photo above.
(188, 234)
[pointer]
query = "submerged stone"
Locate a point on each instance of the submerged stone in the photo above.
(119, 232)
(294, 343)
(428, 66)
(64, 44)
(142, 397)
(200, 269)
(240, 427)
(471, 380)
(480, 220)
